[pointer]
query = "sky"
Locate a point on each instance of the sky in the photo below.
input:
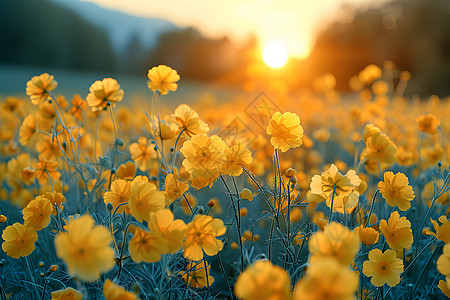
(292, 23)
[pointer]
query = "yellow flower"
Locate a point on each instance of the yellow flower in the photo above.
(368, 235)
(3, 218)
(147, 246)
(428, 123)
(174, 188)
(236, 158)
(38, 213)
(27, 130)
(78, 106)
(188, 120)
(195, 275)
(162, 79)
(336, 241)
(46, 169)
(443, 263)
(201, 237)
(204, 156)
(379, 148)
(112, 291)
(397, 232)
(104, 92)
(332, 179)
(126, 171)
(142, 153)
(286, 131)
(173, 230)
(120, 193)
(19, 240)
(263, 280)
(246, 194)
(383, 267)
(396, 190)
(370, 130)
(39, 86)
(444, 288)
(85, 248)
(67, 294)
(327, 279)
(443, 231)
(48, 148)
(144, 198)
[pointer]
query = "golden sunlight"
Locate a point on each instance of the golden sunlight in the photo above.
(275, 55)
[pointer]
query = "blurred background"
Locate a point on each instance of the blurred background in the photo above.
(244, 45)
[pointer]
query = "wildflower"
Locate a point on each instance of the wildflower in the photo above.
(369, 130)
(428, 123)
(201, 237)
(102, 93)
(204, 156)
(3, 218)
(144, 198)
(263, 280)
(120, 193)
(39, 86)
(19, 240)
(85, 248)
(379, 148)
(397, 232)
(112, 291)
(188, 121)
(443, 231)
(367, 235)
(45, 170)
(383, 267)
(162, 79)
(67, 294)
(142, 153)
(327, 279)
(246, 194)
(56, 199)
(48, 148)
(38, 212)
(290, 172)
(443, 263)
(332, 180)
(173, 230)
(396, 190)
(286, 131)
(126, 171)
(195, 275)
(174, 188)
(236, 158)
(27, 130)
(78, 106)
(336, 241)
(147, 246)
(320, 220)
(444, 288)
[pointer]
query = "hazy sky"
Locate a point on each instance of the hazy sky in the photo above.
(290, 22)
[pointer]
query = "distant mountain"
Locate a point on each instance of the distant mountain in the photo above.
(120, 27)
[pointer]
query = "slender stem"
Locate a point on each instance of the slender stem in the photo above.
(331, 207)
(423, 270)
(174, 155)
(33, 280)
(189, 204)
(219, 259)
(371, 207)
(112, 120)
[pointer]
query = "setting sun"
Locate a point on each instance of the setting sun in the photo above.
(275, 55)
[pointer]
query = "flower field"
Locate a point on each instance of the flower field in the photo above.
(315, 195)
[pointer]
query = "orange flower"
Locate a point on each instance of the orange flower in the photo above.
(67, 294)
(142, 153)
(119, 194)
(383, 267)
(336, 241)
(19, 240)
(104, 92)
(236, 158)
(201, 237)
(327, 279)
(38, 213)
(195, 275)
(397, 232)
(263, 280)
(112, 291)
(368, 235)
(428, 123)
(286, 131)
(45, 169)
(147, 246)
(443, 286)
(39, 86)
(396, 190)
(188, 120)
(162, 79)
(85, 248)
(78, 105)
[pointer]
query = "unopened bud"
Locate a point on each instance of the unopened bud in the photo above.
(290, 172)
(211, 203)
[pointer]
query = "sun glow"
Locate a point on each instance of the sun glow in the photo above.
(275, 55)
